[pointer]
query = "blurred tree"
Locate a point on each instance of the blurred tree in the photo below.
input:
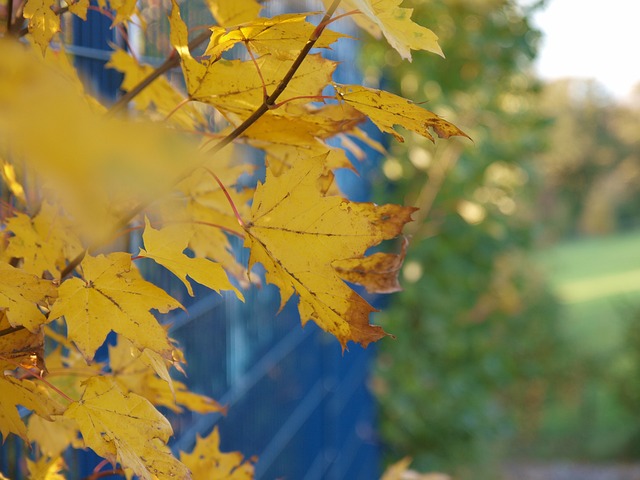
(592, 166)
(476, 326)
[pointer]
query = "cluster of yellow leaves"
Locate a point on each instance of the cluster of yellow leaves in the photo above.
(80, 178)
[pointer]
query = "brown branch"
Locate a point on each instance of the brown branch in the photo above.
(10, 330)
(267, 104)
(9, 15)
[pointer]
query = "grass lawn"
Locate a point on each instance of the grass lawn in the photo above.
(598, 281)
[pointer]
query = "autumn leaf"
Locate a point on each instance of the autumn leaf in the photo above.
(46, 468)
(43, 22)
(53, 436)
(297, 234)
(386, 110)
(21, 348)
(21, 392)
(133, 373)
(43, 242)
(126, 429)
(234, 87)
(233, 12)
(112, 296)
(79, 8)
(282, 35)
(20, 294)
(201, 208)
(124, 9)
(166, 247)
(206, 461)
(378, 273)
(394, 22)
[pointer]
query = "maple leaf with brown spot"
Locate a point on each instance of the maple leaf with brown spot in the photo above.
(298, 234)
(386, 110)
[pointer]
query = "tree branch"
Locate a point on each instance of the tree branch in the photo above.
(9, 15)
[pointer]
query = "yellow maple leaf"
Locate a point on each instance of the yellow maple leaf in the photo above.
(21, 392)
(20, 294)
(112, 296)
(46, 468)
(235, 86)
(43, 242)
(166, 247)
(79, 8)
(297, 234)
(132, 371)
(43, 22)
(394, 22)
(127, 429)
(21, 348)
(386, 110)
(282, 35)
(206, 461)
(53, 436)
(233, 13)
(124, 9)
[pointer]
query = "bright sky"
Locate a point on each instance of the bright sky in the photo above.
(591, 39)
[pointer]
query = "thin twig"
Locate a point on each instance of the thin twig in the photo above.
(9, 15)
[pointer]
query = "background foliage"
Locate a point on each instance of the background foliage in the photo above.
(478, 347)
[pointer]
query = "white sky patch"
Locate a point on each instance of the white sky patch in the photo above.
(591, 39)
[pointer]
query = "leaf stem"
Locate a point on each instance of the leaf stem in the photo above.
(229, 199)
(183, 102)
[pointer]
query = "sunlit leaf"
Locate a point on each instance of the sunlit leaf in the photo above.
(290, 219)
(394, 22)
(43, 22)
(233, 13)
(166, 247)
(46, 468)
(387, 110)
(282, 35)
(125, 428)
(20, 294)
(111, 288)
(206, 461)
(27, 394)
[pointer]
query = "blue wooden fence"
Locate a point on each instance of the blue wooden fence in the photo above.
(294, 399)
